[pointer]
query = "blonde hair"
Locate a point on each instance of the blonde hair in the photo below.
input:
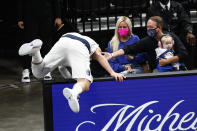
(114, 43)
(166, 37)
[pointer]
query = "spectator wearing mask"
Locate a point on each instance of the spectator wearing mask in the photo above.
(129, 64)
(149, 43)
(176, 20)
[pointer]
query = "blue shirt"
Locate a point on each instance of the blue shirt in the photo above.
(167, 67)
(118, 63)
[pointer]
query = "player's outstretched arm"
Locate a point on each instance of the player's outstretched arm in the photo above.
(105, 64)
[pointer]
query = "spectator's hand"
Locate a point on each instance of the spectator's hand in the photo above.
(107, 55)
(58, 23)
(21, 24)
(191, 39)
(60, 26)
(128, 68)
(118, 76)
(130, 57)
(163, 62)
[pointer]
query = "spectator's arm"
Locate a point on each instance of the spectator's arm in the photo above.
(179, 48)
(185, 19)
(140, 58)
(163, 62)
(19, 7)
(57, 8)
(137, 47)
(57, 14)
(114, 63)
(187, 25)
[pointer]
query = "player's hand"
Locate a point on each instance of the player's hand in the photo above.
(107, 55)
(191, 39)
(118, 76)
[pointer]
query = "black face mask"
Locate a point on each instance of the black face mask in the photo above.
(165, 2)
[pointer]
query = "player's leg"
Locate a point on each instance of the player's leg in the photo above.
(40, 66)
(79, 61)
(71, 95)
(51, 61)
(32, 49)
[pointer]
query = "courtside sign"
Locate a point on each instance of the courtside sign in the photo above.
(142, 104)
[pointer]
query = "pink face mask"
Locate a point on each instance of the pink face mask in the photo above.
(123, 32)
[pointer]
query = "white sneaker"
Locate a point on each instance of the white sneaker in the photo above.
(48, 76)
(72, 100)
(25, 76)
(64, 72)
(30, 48)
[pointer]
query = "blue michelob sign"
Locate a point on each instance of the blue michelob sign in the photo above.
(154, 102)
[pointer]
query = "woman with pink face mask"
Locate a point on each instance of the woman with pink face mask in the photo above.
(128, 64)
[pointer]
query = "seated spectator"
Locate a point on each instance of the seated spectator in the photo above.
(149, 43)
(176, 20)
(166, 51)
(127, 64)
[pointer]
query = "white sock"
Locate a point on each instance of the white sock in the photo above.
(36, 57)
(77, 89)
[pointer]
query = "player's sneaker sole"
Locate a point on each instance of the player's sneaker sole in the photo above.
(29, 48)
(72, 100)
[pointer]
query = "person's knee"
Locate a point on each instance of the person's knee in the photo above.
(86, 88)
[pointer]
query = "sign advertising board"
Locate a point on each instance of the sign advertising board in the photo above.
(167, 103)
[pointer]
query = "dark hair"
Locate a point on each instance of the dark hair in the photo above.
(158, 20)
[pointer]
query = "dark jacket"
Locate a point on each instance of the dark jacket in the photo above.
(28, 8)
(174, 20)
(148, 44)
